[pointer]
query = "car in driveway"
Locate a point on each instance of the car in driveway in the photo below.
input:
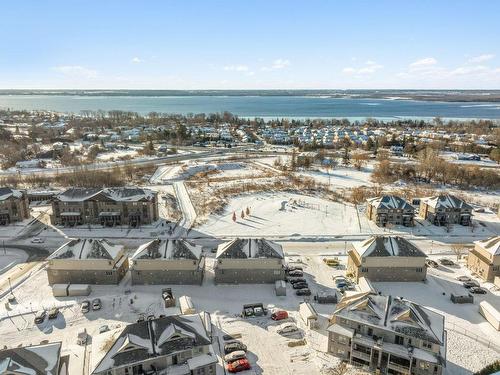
(279, 315)
(470, 284)
(478, 290)
(53, 313)
(297, 280)
(37, 240)
(287, 328)
(463, 278)
(293, 268)
(85, 306)
(431, 263)
(40, 316)
(446, 262)
(295, 273)
(299, 285)
(233, 346)
(96, 304)
(303, 292)
(234, 356)
(239, 365)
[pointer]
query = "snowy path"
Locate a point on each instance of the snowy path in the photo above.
(187, 208)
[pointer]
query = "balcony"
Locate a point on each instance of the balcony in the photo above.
(361, 355)
(397, 367)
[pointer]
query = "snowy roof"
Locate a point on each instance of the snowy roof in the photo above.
(383, 246)
(87, 249)
(394, 314)
(159, 337)
(6, 193)
(121, 194)
(29, 360)
(249, 248)
(446, 201)
(390, 202)
(491, 245)
(168, 249)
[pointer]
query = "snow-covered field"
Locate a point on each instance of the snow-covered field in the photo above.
(9, 258)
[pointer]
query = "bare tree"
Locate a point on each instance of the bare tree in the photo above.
(459, 249)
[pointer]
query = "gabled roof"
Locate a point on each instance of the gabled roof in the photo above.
(120, 194)
(31, 360)
(385, 246)
(446, 201)
(168, 250)
(394, 314)
(491, 245)
(140, 341)
(87, 249)
(6, 193)
(390, 202)
(249, 248)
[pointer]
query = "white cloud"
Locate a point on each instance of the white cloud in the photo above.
(481, 58)
(370, 67)
(465, 70)
(76, 71)
(236, 68)
(423, 63)
(136, 60)
(277, 64)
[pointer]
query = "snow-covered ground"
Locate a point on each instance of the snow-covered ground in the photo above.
(9, 258)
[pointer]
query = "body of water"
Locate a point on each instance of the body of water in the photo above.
(259, 106)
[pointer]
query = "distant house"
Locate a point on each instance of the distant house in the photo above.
(390, 209)
(129, 206)
(167, 262)
(36, 360)
(386, 258)
(87, 261)
(249, 261)
(14, 205)
(389, 335)
(445, 209)
(484, 259)
(178, 345)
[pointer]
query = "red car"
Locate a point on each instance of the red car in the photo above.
(279, 315)
(239, 365)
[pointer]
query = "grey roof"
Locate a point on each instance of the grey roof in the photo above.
(119, 194)
(29, 360)
(491, 245)
(159, 337)
(6, 193)
(390, 202)
(394, 314)
(87, 248)
(385, 246)
(168, 249)
(446, 201)
(249, 248)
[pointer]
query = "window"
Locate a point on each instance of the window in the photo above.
(399, 340)
(419, 269)
(364, 269)
(426, 345)
(109, 273)
(341, 351)
(343, 340)
(370, 332)
(424, 365)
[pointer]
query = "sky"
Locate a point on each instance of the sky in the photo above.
(243, 44)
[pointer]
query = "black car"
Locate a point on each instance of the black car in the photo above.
(234, 346)
(299, 285)
(478, 290)
(297, 280)
(303, 292)
(294, 268)
(431, 263)
(295, 273)
(471, 284)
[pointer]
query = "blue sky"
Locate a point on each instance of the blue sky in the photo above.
(237, 44)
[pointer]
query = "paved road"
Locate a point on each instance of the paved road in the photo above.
(187, 208)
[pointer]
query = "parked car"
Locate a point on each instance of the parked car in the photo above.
(463, 278)
(279, 315)
(96, 304)
(141, 318)
(294, 268)
(234, 356)
(85, 306)
(331, 262)
(37, 240)
(299, 285)
(287, 328)
(103, 329)
(40, 316)
(296, 273)
(431, 263)
(234, 346)
(53, 313)
(297, 280)
(446, 262)
(239, 365)
(471, 284)
(478, 290)
(303, 292)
